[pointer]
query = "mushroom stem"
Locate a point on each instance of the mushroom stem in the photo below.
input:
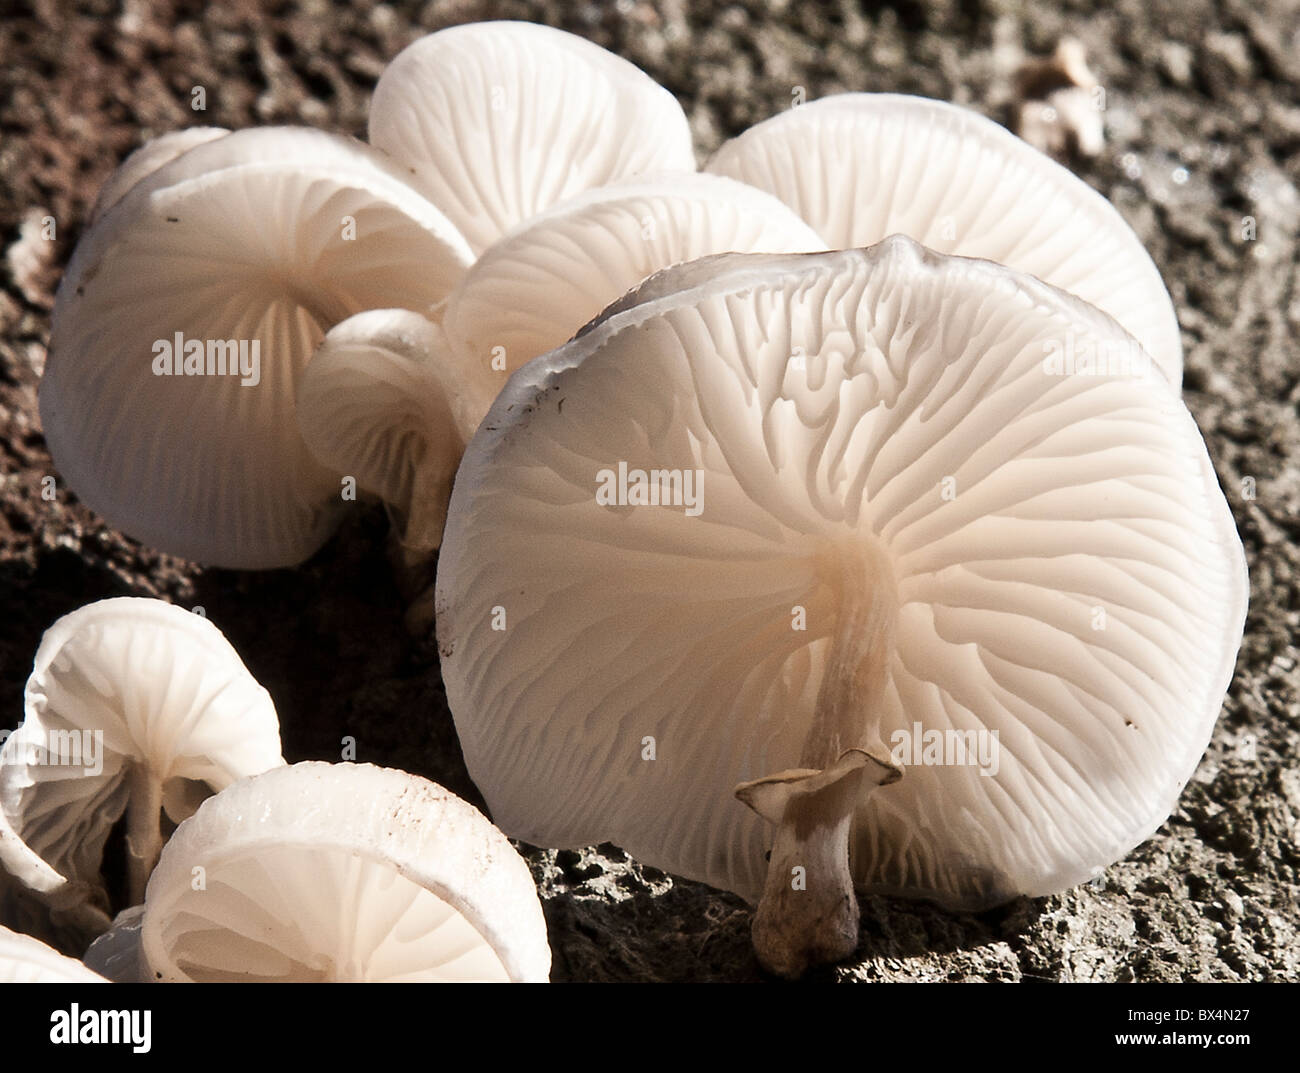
(143, 829)
(847, 715)
(808, 913)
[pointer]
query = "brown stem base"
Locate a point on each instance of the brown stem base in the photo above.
(808, 914)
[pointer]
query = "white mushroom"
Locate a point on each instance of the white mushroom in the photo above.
(187, 315)
(134, 708)
(861, 166)
(884, 509)
(24, 960)
(385, 401)
(341, 872)
(498, 121)
(534, 288)
(392, 399)
(146, 160)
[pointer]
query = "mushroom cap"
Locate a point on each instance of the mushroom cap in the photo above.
(497, 121)
(862, 166)
(827, 399)
(244, 239)
(24, 960)
(392, 399)
(144, 161)
(167, 693)
(383, 401)
(342, 872)
(534, 288)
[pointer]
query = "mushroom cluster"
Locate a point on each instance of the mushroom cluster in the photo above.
(825, 520)
(518, 180)
(217, 264)
(141, 717)
(135, 711)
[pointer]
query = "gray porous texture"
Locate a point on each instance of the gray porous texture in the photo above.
(1203, 131)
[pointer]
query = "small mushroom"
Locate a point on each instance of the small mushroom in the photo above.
(134, 709)
(24, 960)
(386, 401)
(794, 512)
(146, 160)
(862, 166)
(497, 121)
(339, 872)
(187, 315)
(534, 288)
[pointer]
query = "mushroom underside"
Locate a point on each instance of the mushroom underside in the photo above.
(761, 526)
